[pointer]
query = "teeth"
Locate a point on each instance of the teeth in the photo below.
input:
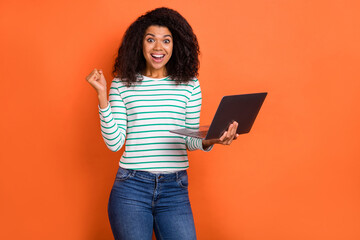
(157, 56)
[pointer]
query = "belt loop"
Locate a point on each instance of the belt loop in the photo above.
(133, 173)
(177, 175)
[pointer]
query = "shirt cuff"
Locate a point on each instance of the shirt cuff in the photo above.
(207, 149)
(104, 110)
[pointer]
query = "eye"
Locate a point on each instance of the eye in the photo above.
(167, 41)
(150, 40)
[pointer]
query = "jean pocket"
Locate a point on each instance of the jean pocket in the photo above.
(183, 181)
(122, 174)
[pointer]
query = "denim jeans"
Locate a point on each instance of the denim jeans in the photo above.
(141, 202)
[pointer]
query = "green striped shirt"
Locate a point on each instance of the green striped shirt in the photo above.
(142, 115)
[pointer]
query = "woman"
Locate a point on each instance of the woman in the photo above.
(154, 90)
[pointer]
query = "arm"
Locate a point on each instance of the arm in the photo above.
(113, 116)
(192, 119)
(113, 120)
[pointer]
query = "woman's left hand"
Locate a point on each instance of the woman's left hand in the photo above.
(225, 139)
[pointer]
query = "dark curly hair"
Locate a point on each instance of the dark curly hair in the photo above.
(184, 62)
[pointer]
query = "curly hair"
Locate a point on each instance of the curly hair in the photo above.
(184, 62)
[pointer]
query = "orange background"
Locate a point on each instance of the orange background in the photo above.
(295, 176)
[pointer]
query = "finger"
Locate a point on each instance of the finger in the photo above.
(102, 76)
(227, 131)
(94, 78)
(230, 126)
(223, 137)
(92, 74)
(234, 130)
(91, 77)
(230, 136)
(236, 136)
(97, 76)
(230, 132)
(226, 142)
(96, 85)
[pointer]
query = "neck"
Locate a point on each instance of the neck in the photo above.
(155, 73)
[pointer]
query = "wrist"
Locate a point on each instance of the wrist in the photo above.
(102, 94)
(103, 101)
(206, 144)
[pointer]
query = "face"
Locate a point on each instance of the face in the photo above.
(157, 48)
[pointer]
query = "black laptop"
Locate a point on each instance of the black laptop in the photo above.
(240, 108)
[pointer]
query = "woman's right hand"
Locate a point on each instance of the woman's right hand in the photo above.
(97, 81)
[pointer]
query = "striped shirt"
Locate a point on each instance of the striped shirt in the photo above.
(143, 114)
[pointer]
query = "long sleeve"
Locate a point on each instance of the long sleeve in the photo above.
(113, 120)
(192, 119)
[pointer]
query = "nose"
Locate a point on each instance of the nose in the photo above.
(157, 45)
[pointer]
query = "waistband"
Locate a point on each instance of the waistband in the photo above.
(156, 176)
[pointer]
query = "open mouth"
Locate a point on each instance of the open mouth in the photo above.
(158, 57)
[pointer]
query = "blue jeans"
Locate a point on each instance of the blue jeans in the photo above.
(141, 202)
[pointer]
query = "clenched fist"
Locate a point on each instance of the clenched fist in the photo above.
(97, 81)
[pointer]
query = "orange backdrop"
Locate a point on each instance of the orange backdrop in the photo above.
(295, 176)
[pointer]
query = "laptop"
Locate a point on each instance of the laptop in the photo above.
(242, 108)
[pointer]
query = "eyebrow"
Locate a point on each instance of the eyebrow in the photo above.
(154, 35)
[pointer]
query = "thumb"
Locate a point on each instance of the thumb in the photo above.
(102, 75)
